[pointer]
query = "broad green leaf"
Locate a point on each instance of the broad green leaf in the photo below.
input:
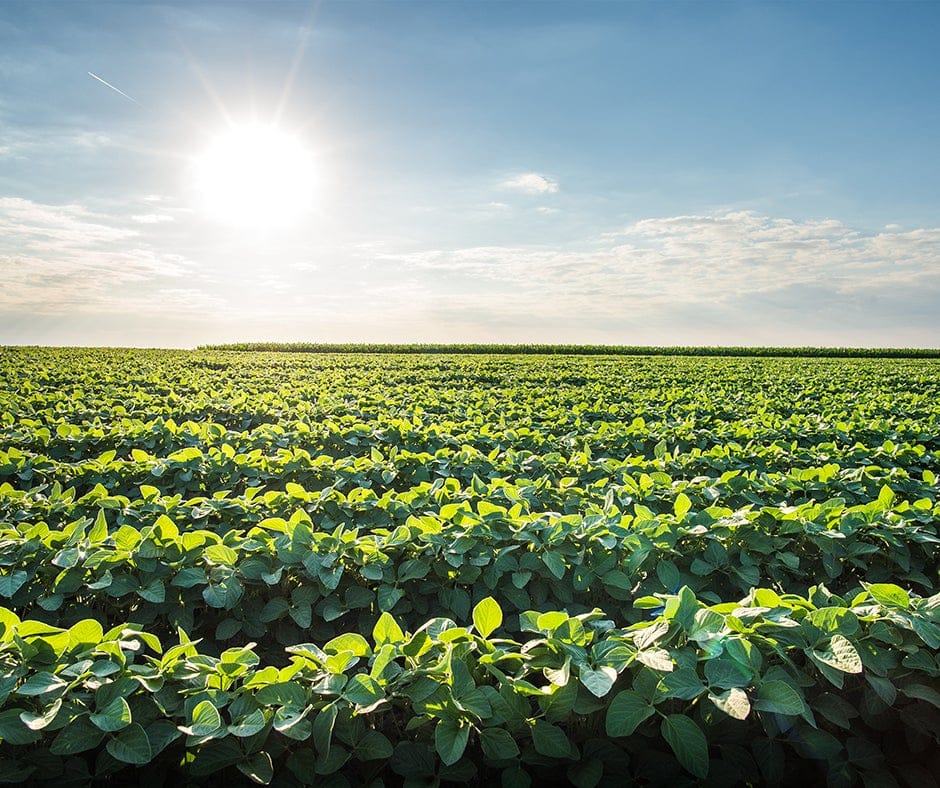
(656, 658)
(373, 746)
(682, 505)
(687, 742)
(683, 683)
(40, 683)
(840, 655)
(12, 582)
(387, 630)
(78, 736)
(36, 722)
(555, 563)
(363, 690)
(131, 745)
(450, 740)
(352, 642)
(487, 616)
(205, 719)
(498, 744)
(889, 595)
(550, 740)
(778, 697)
(248, 726)
(626, 711)
(113, 717)
(733, 702)
(258, 768)
(598, 682)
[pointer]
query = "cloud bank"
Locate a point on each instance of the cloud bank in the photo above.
(730, 277)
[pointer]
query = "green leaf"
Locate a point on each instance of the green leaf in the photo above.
(487, 616)
(725, 674)
(113, 717)
(13, 582)
(598, 682)
(352, 642)
(78, 736)
(586, 773)
(841, 655)
(550, 740)
(40, 683)
(228, 628)
(206, 719)
(778, 697)
(687, 742)
(626, 711)
(555, 563)
(36, 722)
(323, 729)
(373, 746)
(682, 505)
(86, 632)
(221, 554)
(684, 683)
(131, 745)
(282, 693)
(155, 592)
(450, 740)
(656, 658)
(363, 690)
(248, 726)
(733, 702)
(387, 630)
(498, 744)
(889, 595)
(258, 768)
(922, 692)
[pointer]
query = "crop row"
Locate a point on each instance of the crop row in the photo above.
(576, 350)
(771, 689)
(284, 575)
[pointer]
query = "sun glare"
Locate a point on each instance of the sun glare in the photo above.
(255, 176)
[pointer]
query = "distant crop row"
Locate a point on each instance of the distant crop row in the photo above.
(347, 570)
(577, 350)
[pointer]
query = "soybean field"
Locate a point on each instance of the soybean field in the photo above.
(362, 569)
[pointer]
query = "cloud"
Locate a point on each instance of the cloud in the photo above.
(151, 218)
(66, 259)
(546, 209)
(531, 183)
(720, 277)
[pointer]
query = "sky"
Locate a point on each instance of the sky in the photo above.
(624, 173)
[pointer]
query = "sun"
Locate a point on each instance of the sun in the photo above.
(255, 176)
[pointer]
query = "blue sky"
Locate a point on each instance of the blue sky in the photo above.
(666, 173)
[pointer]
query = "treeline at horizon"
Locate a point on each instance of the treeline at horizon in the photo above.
(573, 350)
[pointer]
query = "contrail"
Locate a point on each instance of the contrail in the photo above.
(116, 90)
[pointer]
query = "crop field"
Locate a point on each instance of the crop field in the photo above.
(219, 567)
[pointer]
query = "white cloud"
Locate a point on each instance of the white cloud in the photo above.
(892, 226)
(92, 139)
(546, 209)
(531, 183)
(65, 259)
(714, 277)
(151, 218)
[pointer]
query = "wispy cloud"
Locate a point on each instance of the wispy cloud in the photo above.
(151, 218)
(718, 274)
(57, 259)
(531, 183)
